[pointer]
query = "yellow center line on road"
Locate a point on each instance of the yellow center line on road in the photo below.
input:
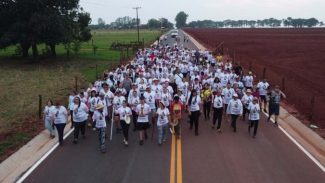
(172, 161)
(176, 171)
(179, 162)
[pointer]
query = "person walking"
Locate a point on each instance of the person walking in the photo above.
(176, 113)
(143, 111)
(194, 103)
(125, 114)
(254, 116)
(100, 124)
(246, 100)
(60, 117)
(263, 86)
(206, 95)
(72, 95)
(217, 102)
(234, 109)
(162, 122)
(48, 122)
(80, 116)
(274, 103)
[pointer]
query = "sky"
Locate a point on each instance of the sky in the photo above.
(216, 10)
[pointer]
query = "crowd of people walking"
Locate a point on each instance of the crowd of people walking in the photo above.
(163, 88)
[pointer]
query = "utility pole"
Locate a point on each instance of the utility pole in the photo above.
(137, 8)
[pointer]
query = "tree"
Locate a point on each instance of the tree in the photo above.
(31, 22)
(101, 22)
(180, 19)
(311, 22)
(154, 24)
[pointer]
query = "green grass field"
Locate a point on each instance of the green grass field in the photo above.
(22, 80)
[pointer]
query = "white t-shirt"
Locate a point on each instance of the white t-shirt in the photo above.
(146, 110)
(118, 101)
(248, 81)
(162, 116)
(235, 107)
(195, 103)
(60, 115)
(217, 102)
(99, 118)
(262, 88)
(254, 111)
(150, 99)
(123, 112)
(227, 94)
(80, 113)
(48, 111)
(93, 102)
(165, 98)
(108, 97)
(247, 99)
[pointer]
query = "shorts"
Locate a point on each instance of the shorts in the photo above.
(263, 98)
(142, 126)
(274, 109)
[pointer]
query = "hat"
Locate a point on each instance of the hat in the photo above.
(248, 91)
(99, 106)
(250, 72)
(162, 103)
(235, 95)
(155, 79)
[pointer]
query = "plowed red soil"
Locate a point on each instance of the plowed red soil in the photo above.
(293, 58)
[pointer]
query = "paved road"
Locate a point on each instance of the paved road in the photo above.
(209, 157)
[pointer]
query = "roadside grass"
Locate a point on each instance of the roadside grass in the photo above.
(23, 80)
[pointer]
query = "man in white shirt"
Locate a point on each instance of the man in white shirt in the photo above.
(263, 86)
(234, 109)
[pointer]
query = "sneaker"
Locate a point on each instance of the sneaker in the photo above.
(276, 124)
(94, 129)
(126, 144)
(141, 142)
(219, 130)
(265, 110)
(212, 126)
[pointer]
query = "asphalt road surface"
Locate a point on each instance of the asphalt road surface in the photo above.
(208, 158)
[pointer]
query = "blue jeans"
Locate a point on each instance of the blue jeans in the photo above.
(101, 137)
(48, 126)
(162, 133)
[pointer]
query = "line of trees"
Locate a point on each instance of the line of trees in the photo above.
(271, 22)
(127, 22)
(28, 23)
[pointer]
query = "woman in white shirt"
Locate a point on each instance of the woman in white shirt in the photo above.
(92, 103)
(59, 116)
(246, 100)
(80, 116)
(72, 95)
(163, 118)
(254, 115)
(234, 109)
(47, 118)
(125, 114)
(133, 101)
(98, 118)
(217, 103)
(193, 105)
(143, 111)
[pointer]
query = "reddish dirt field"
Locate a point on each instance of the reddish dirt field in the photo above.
(294, 59)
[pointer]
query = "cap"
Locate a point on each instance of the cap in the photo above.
(235, 95)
